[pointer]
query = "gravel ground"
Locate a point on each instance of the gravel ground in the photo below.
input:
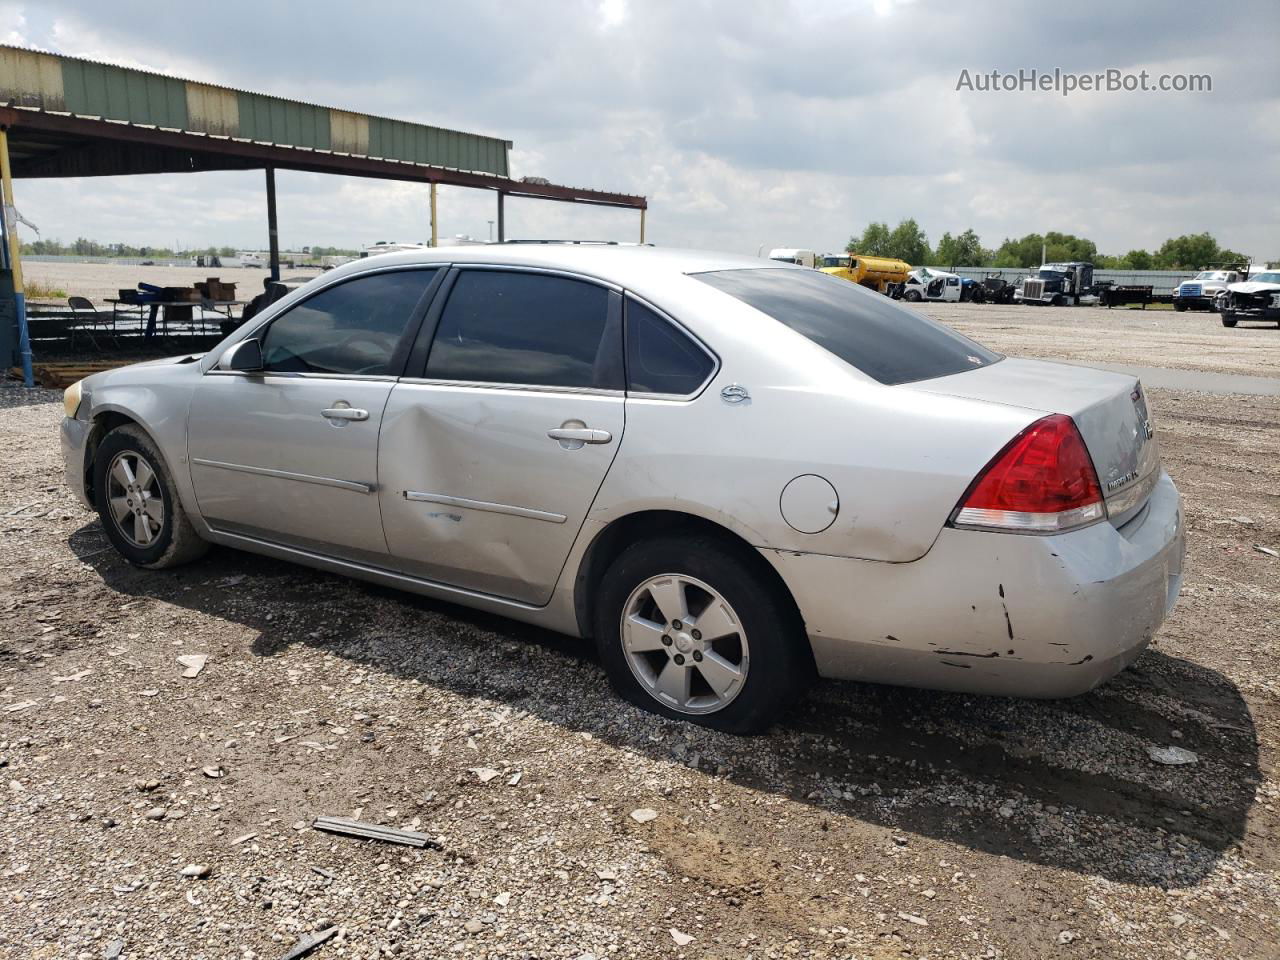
(875, 823)
(98, 281)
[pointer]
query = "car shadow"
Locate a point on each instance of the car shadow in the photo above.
(1049, 782)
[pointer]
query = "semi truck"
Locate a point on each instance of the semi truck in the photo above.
(876, 273)
(1058, 284)
(803, 258)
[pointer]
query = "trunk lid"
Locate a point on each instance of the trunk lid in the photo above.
(1110, 409)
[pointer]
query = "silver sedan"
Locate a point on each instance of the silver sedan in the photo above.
(732, 474)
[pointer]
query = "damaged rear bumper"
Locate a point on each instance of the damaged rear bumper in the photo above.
(994, 612)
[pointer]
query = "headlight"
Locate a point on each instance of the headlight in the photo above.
(71, 399)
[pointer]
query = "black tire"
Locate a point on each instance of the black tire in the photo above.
(1180, 307)
(1228, 318)
(175, 542)
(780, 663)
(912, 296)
(1058, 300)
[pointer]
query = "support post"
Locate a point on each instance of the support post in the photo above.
(9, 216)
(642, 213)
(435, 228)
(273, 235)
(502, 218)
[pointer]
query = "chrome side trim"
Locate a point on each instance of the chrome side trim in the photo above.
(286, 475)
(525, 387)
(505, 508)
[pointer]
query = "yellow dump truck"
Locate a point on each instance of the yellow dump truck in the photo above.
(874, 272)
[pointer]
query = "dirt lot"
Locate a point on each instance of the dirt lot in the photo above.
(97, 281)
(876, 823)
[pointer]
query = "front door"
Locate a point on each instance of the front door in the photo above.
(290, 454)
(490, 461)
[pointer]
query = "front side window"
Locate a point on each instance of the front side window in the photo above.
(353, 328)
(503, 326)
(661, 358)
(866, 330)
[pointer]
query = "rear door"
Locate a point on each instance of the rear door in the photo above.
(491, 457)
(290, 454)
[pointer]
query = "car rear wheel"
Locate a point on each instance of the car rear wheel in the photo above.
(138, 503)
(912, 296)
(688, 629)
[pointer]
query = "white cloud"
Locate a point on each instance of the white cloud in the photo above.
(772, 124)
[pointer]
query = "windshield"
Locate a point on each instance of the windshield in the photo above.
(1266, 278)
(868, 331)
(835, 261)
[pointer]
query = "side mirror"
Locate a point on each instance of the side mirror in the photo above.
(243, 357)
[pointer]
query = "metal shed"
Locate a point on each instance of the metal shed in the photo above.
(69, 117)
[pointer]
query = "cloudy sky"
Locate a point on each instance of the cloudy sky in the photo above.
(745, 123)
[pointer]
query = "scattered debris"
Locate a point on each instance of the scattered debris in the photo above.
(73, 677)
(1066, 936)
(155, 813)
(373, 831)
(245, 838)
(912, 918)
(644, 815)
(473, 926)
(502, 899)
(514, 779)
(199, 870)
(484, 774)
(194, 663)
(609, 875)
(113, 950)
(327, 874)
(1267, 550)
(20, 705)
(309, 942)
(214, 773)
(681, 939)
(1171, 756)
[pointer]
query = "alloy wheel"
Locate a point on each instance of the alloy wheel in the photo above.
(133, 493)
(685, 644)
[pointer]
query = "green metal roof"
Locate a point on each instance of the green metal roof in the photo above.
(54, 83)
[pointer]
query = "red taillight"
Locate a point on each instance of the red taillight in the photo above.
(1042, 482)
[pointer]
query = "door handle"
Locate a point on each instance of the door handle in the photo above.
(345, 413)
(581, 434)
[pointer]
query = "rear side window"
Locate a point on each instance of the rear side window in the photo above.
(661, 358)
(886, 341)
(352, 328)
(502, 326)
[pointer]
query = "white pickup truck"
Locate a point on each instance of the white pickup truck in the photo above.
(1201, 291)
(1257, 298)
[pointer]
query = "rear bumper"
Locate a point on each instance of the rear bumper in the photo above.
(993, 612)
(74, 437)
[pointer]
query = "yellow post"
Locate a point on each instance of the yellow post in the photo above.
(642, 212)
(435, 235)
(15, 257)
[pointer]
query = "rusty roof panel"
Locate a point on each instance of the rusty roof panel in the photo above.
(87, 88)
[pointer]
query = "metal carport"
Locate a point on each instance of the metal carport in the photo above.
(69, 117)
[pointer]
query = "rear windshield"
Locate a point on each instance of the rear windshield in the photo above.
(886, 341)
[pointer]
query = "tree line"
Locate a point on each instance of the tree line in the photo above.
(83, 247)
(907, 241)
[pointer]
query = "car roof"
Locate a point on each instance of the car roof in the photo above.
(623, 265)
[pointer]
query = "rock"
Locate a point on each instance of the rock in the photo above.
(1006, 811)
(473, 926)
(1245, 521)
(681, 939)
(644, 815)
(1171, 756)
(502, 899)
(484, 774)
(1066, 936)
(607, 874)
(113, 950)
(1267, 550)
(155, 813)
(194, 663)
(199, 870)
(213, 773)
(912, 918)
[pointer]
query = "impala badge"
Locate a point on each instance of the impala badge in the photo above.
(734, 393)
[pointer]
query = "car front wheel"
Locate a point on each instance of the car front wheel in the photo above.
(138, 503)
(689, 629)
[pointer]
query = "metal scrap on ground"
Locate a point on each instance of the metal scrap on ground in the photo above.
(373, 831)
(309, 943)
